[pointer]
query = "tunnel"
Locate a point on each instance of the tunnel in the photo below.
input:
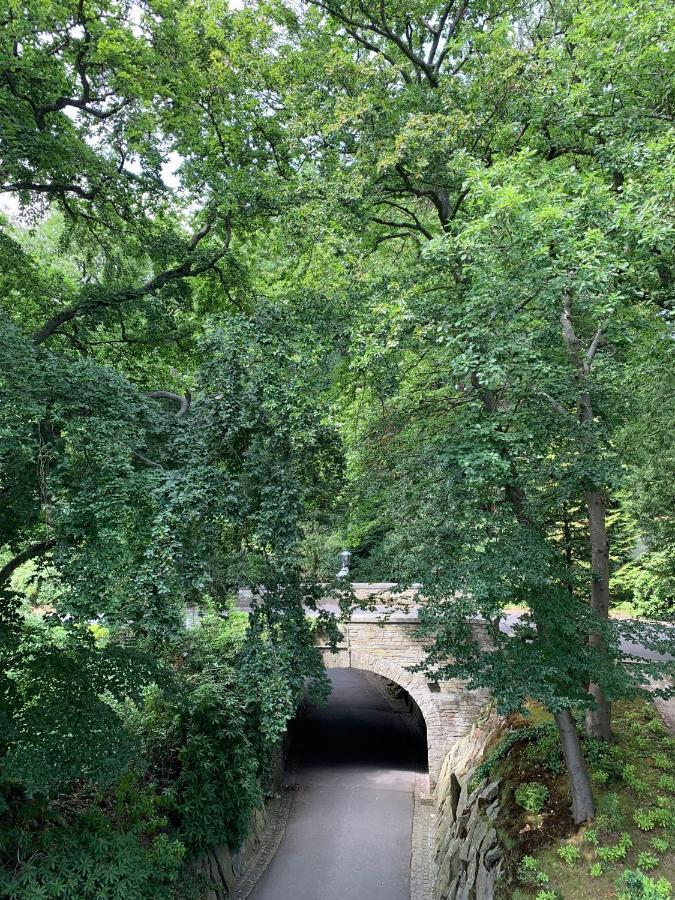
(353, 769)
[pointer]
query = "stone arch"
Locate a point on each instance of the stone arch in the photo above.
(411, 682)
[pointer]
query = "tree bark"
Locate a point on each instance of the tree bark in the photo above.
(583, 807)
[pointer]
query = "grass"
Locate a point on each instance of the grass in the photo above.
(634, 785)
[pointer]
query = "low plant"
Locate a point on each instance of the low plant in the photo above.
(647, 861)
(656, 726)
(645, 819)
(531, 796)
(530, 873)
(635, 885)
(630, 776)
(533, 733)
(599, 777)
(662, 761)
(591, 836)
(667, 783)
(660, 844)
(610, 817)
(569, 854)
(595, 870)
(546, 895)
(617, 851)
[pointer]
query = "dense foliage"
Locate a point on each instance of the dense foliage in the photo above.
(288, 277)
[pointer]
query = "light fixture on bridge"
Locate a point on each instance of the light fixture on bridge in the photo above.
(345, 559)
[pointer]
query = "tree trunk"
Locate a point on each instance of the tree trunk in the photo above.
(598, 720)
(580, 781)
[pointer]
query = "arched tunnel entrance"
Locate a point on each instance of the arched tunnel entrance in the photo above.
(354, 766)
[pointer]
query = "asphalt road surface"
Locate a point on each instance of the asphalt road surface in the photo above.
(349, 830)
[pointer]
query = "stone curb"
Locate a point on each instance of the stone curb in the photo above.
(278, 812)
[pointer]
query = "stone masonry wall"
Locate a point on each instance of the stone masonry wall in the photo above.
(467, 851)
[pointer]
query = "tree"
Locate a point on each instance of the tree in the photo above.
(514, 244)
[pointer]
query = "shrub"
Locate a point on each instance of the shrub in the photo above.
(660, 844)
(91, 860)
(635, 886)
(662, 761)
(616, 852)
(531, 796)
(569, 854)
(610, 817)
(545, 750)
(529, 872)
(647, 861)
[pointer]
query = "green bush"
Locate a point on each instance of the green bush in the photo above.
(529, 872)
(635, 886)
(610, 817)
(94, 860)
(617, 851)
(569, 854)
(647, 861)
(531, 796)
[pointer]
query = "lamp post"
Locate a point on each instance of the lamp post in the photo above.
(345, 559)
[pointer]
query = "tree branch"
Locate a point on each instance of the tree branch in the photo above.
(592, 350)
(558, 407)
(169, 395)
(55, 187)
(147, 461)
(29, 553)
(189, 268)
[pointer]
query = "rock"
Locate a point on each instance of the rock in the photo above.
(478, 835)
(471, 874)
(492, 811)
(455, 791)
(490, 793)
(485, 883)
(489, 841)
(492, 857)
(475, 794)
(463, 888)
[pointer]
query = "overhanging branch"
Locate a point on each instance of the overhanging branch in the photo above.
(29, 553)
(189, 268)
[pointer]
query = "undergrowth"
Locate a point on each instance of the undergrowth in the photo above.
(627, 851)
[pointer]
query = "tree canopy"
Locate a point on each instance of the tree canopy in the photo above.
(294, 276)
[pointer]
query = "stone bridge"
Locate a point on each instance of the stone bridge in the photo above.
(384, 642)
(380, 638)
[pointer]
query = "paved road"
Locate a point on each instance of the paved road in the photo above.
(349, 832)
